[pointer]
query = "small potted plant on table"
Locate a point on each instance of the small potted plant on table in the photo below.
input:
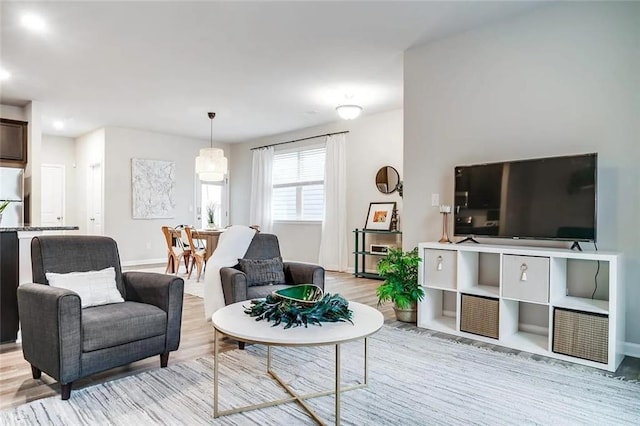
(400, 272)
(211, 215)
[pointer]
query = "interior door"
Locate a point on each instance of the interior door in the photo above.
(94, 200)
(53, 195)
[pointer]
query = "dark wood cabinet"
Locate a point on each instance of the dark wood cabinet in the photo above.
(13, 142)
(9, 264)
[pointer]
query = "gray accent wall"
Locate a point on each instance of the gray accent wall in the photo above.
(563, 79)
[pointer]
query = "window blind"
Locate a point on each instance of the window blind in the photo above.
(298, 185)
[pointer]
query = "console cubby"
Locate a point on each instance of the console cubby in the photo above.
(479, 273)
(437, 311)
(524, 326)
(529, 284)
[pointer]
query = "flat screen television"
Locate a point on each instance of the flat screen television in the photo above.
(546, 198)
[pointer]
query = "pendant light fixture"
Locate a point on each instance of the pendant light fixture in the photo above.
(211, 164)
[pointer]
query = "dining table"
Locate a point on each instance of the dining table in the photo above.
(210, 236)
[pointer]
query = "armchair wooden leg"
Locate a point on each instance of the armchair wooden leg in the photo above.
(164, 359)
(65, 390)
(241, 345)
(36, 372)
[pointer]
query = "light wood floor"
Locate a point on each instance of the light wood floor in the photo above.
(17, 386)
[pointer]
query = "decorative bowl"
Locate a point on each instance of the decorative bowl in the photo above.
(305, 294)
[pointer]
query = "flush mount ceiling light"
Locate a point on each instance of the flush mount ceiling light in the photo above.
(33, 22)
(58, 124)
(349, 112)
(4, 74)
(211, 164)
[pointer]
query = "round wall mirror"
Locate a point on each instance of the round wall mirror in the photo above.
(387, 179)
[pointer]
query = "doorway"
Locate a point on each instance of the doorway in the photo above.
(94, 199)
(211, 195)
(52, 205)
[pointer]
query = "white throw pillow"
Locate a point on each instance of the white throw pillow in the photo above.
(94, 287)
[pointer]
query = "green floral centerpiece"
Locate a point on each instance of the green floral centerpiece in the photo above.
(292, 313)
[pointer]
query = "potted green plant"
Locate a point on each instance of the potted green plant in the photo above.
(3, 205)
(211, 215)
(400, 272)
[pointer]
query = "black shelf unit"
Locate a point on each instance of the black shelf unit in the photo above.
(360, 252)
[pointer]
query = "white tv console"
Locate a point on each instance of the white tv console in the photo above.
(537, 300)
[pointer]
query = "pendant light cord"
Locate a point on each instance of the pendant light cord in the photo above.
(211, 115)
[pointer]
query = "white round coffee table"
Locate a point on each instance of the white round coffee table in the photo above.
(233, 322)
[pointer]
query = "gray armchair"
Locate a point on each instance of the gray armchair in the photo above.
(236, 287)
(266, 246)
(68, 342)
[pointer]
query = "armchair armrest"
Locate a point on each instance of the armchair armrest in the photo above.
(50, 319)
(304, 273)
(164, 291)
(234, 285)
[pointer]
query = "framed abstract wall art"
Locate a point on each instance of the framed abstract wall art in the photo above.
(152, 188)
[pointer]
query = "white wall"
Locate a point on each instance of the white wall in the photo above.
(561, 80)
(373, 141)
(141, 241)
(11, 112)
(62, 150)
(89, 151)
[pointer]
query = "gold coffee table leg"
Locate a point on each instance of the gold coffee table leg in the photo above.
(338, 384)
(337, 390)
(215, 373)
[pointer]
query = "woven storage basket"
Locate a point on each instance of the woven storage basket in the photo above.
(480, 315)
(581, 334)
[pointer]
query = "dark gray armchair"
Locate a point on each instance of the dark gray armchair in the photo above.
(68, 342)
(236, 287)
(266, 246)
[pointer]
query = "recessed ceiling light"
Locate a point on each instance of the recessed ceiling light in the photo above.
(4, 74)
(33, 22)
(58, 124)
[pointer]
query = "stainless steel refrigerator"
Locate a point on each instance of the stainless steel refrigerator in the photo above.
(12, 190)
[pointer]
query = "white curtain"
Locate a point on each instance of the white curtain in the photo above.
(334, 254)
(261, 189)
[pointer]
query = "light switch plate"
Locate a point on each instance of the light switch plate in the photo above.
(435, 200)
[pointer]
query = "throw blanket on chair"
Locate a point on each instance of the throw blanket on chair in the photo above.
(232, 245)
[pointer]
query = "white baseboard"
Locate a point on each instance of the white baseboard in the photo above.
(631, 349)
(144, 262)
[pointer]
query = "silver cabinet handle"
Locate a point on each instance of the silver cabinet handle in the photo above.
(439, 264)
(523, 272)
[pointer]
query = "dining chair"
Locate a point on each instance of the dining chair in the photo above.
(175, 253)
(197, 252)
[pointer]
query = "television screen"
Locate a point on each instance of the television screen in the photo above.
(545, 198)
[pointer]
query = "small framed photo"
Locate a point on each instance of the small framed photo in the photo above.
(379, 216)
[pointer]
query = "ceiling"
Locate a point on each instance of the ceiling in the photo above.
(264, 67)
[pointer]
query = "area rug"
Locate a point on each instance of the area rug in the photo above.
(190, 285)
(414, 379)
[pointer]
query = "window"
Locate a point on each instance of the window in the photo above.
(298, 184)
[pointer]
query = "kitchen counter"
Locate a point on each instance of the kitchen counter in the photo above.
(29, 228)
(15, 269)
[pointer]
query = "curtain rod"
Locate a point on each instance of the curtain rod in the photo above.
(299, 140)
